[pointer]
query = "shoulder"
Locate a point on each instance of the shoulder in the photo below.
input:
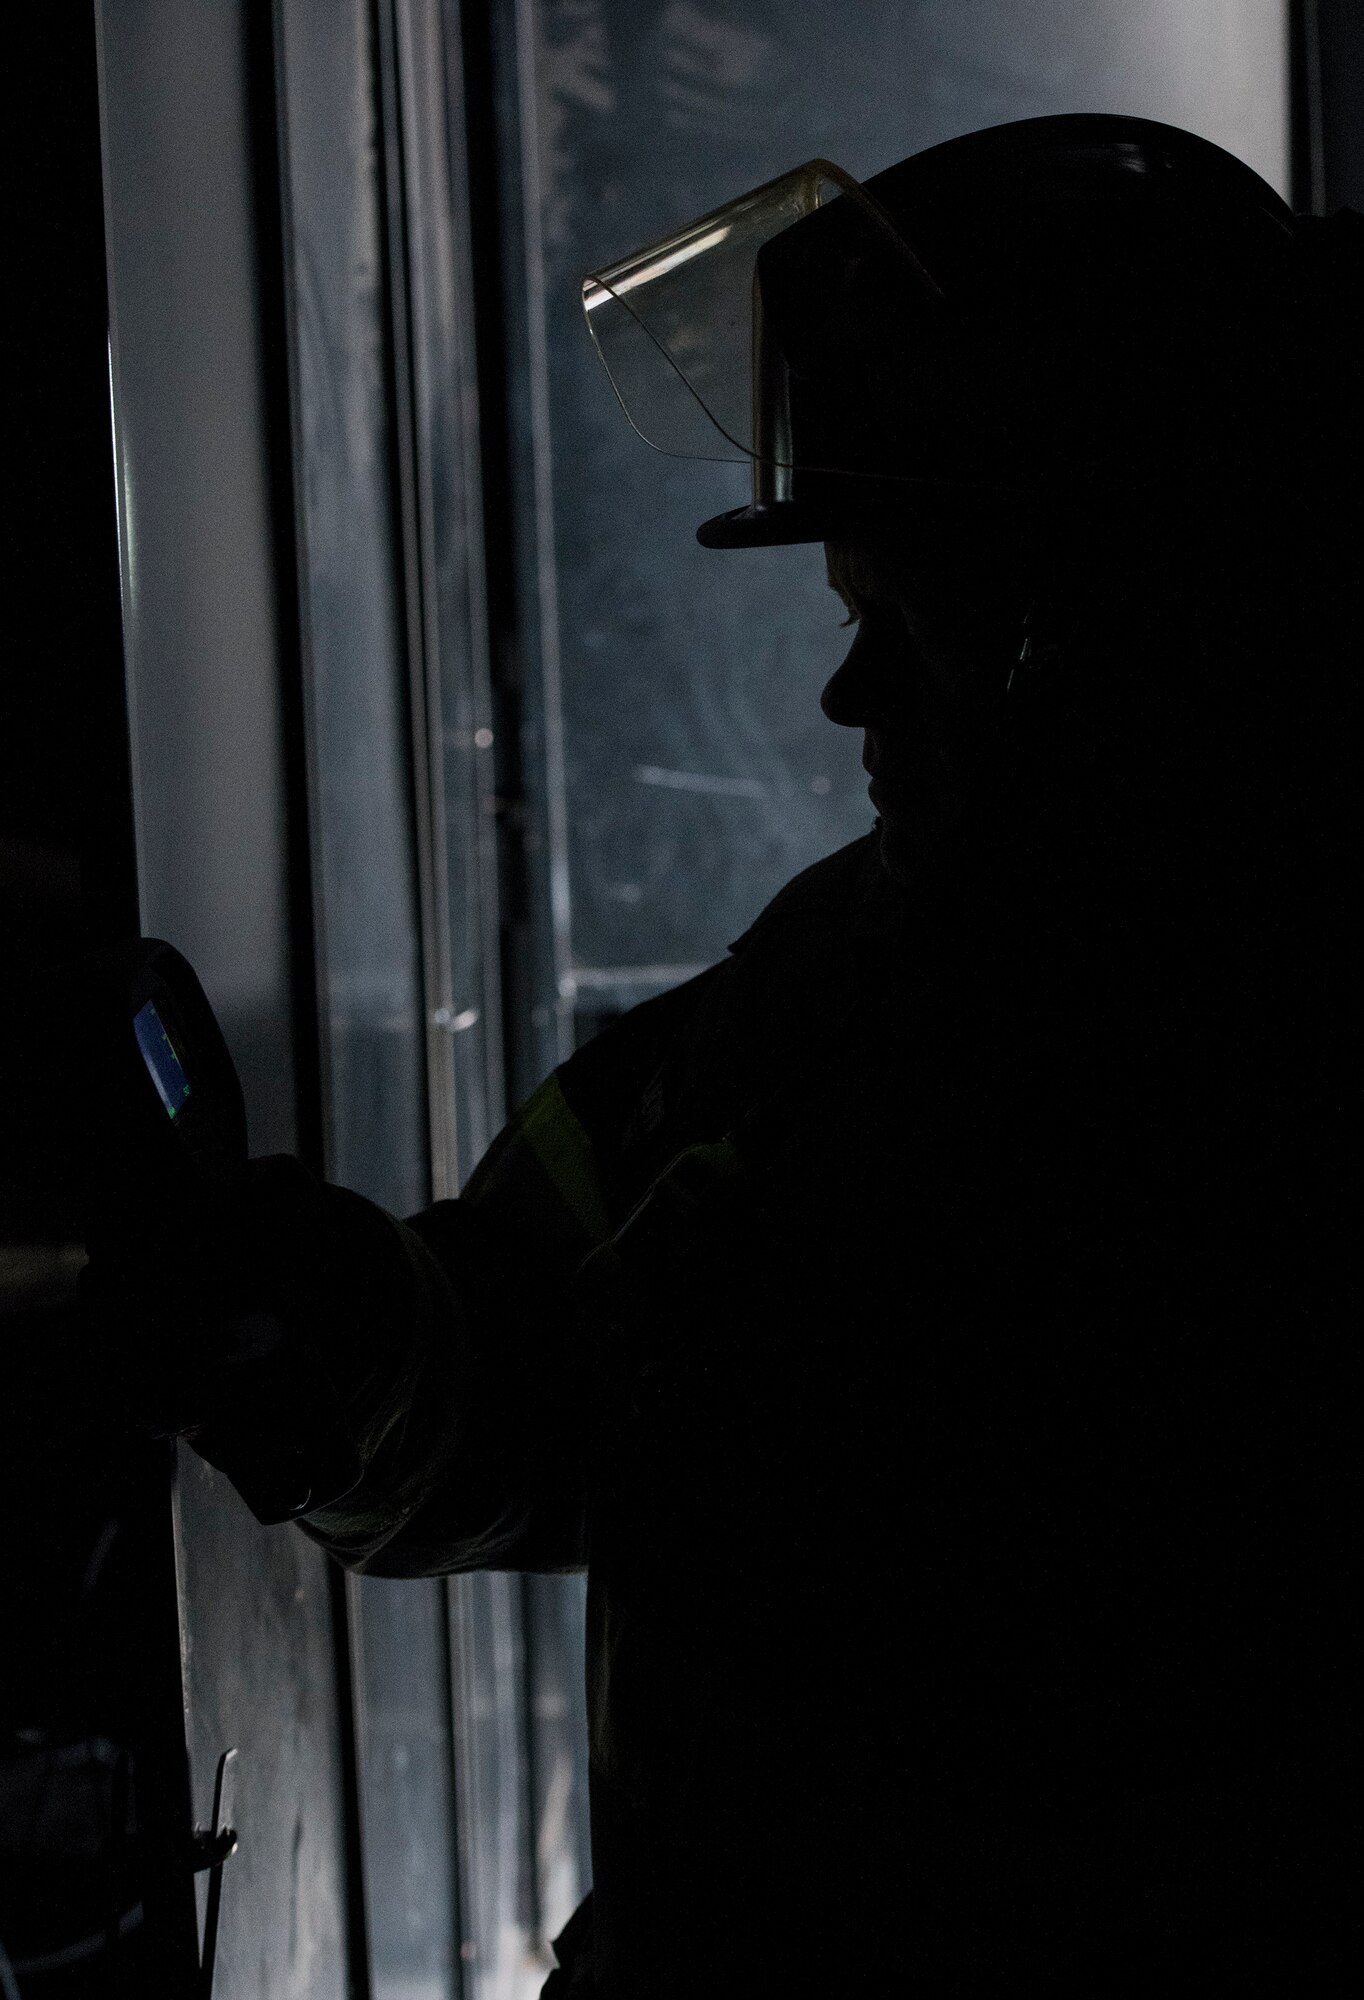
(683, 1065)
(816, 905)
(828, 892)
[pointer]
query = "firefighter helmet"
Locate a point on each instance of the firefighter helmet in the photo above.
(1063, 303)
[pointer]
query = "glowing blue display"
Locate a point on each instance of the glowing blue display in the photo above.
(163, 1064)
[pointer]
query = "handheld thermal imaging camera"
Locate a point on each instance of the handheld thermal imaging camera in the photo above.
(164, 1154)
(166, 1076)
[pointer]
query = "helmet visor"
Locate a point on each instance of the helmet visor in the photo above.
(684, 327)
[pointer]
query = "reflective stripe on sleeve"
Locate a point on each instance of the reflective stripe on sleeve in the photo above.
(545, 1141)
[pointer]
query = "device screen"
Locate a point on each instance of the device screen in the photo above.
(158, 1052)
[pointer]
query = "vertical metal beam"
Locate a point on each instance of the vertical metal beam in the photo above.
(269, 170)
(434, 284)
(1307, 147)
(495, 44)
(488, 154)
(265, 66)
(461, 731)
(498, 1944)
(546, 571)
(425, 713)
(1340, 38)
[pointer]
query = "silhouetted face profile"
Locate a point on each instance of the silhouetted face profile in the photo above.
(925, 681)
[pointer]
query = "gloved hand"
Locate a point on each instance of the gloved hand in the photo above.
(173, 1309)
(207, 1328)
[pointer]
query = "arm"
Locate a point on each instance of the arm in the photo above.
(466, 1377)
(467, 1389)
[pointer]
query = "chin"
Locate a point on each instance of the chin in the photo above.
(895, 850)
(921, 853)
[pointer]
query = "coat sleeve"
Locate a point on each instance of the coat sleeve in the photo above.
(465, 1372)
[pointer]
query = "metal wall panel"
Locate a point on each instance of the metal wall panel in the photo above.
(351, 587)
(258, 1650)
(428, 209)
(401, 732)
(378, 989)
(498, 1947)
(555, 1639)
(407, 1771)
(202, 626)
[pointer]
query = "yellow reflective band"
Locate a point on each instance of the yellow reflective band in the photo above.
(548, 1127)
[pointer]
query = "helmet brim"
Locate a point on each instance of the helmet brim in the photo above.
(926, 508)
(781, 525)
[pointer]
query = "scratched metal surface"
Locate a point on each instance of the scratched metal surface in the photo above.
(374, 1030)
(698, 773)
(407, 1799)
(259, 1668)
(351, 592)
(555, 1620)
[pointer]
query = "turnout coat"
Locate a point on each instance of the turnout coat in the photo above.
(956, 1489)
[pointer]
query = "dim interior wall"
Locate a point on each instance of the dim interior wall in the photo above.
(201, 628)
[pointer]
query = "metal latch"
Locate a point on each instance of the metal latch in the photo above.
(211, 1847)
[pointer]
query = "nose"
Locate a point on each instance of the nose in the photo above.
(872, 681)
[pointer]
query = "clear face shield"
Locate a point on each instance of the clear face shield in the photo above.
(708, 335)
